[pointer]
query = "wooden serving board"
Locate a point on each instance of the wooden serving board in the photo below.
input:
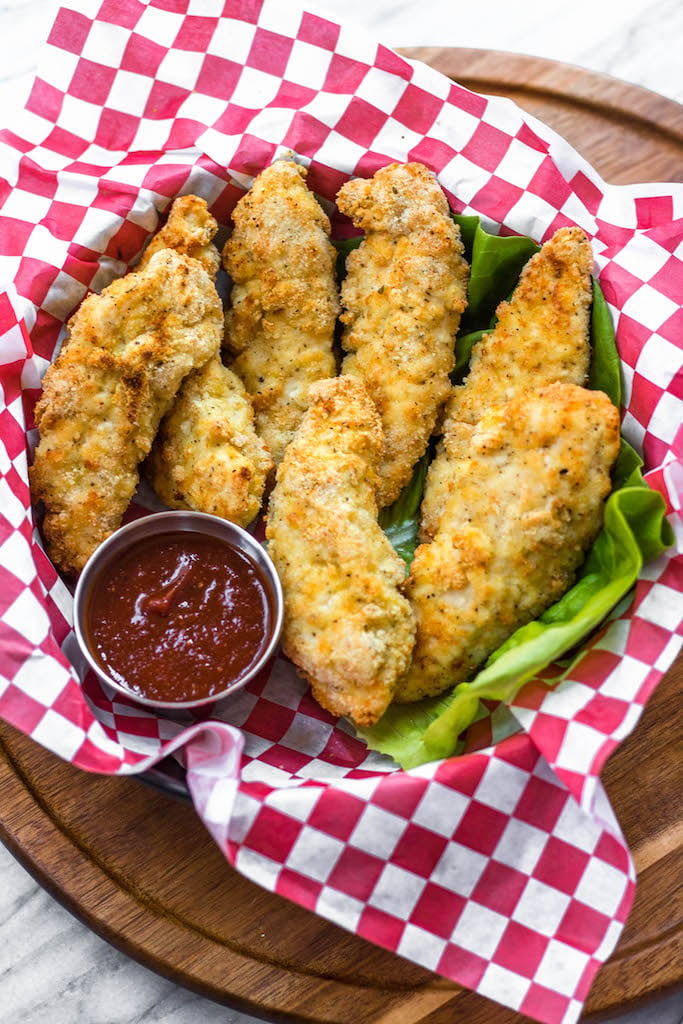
(138, 866)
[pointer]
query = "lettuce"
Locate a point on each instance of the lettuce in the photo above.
(495, 262)
(401, 520)
(635, 531)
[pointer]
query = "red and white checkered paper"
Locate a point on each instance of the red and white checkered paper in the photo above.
(503, 869)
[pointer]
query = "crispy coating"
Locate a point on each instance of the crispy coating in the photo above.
(190, 230)
(207, 455)
(529, 482)
(542, 332)
(348, 627)
(126, 354)
(284, 302)
(404, 293)
(541, 336)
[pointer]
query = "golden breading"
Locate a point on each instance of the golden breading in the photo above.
(127, 352)
(529, 482)
(348, 628)
(284, 303)
(207, 455)
(541, 336)
(404, 292)
(190, 230)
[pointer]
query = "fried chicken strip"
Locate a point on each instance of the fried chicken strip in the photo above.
(541, 336)
(529, 481)
(127, 351)
(207, 455)
(284, 302)
(403, 295)
(348, 627)
(190, 231)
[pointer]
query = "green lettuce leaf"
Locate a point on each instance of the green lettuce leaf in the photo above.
(401, 520)
(344, 246)
(495, 265)
(604, 373)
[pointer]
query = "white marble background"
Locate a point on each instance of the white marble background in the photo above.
(53, 970)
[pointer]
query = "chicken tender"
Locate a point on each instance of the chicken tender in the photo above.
(207, 455)
(348, 628)
(280, 327)
(189, 230)
(126, 354)
(541, 336)
(529, 482)
(403, 295)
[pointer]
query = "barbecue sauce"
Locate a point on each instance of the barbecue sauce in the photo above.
(178, 617)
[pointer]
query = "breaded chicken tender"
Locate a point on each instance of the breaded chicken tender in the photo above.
(207, 455)
(541, 336)
(529, 482)
(284, 302)
(190, 231)
(403, 295)
(542, 332)
(127, 352)
(348, 628)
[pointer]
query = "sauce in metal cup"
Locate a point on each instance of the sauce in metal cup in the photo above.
(178, 610)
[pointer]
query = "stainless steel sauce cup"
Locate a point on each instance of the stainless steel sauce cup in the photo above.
(172, 522)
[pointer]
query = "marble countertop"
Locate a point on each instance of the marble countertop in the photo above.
(52, 967)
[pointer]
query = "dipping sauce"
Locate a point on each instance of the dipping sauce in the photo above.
(179, 616)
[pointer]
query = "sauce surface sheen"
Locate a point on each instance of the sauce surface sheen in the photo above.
(178, 617)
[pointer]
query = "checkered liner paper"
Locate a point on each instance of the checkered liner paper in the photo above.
(503, 869)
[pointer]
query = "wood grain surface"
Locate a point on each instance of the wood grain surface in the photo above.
(138, 866)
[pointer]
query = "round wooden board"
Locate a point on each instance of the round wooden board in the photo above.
(138, 866)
